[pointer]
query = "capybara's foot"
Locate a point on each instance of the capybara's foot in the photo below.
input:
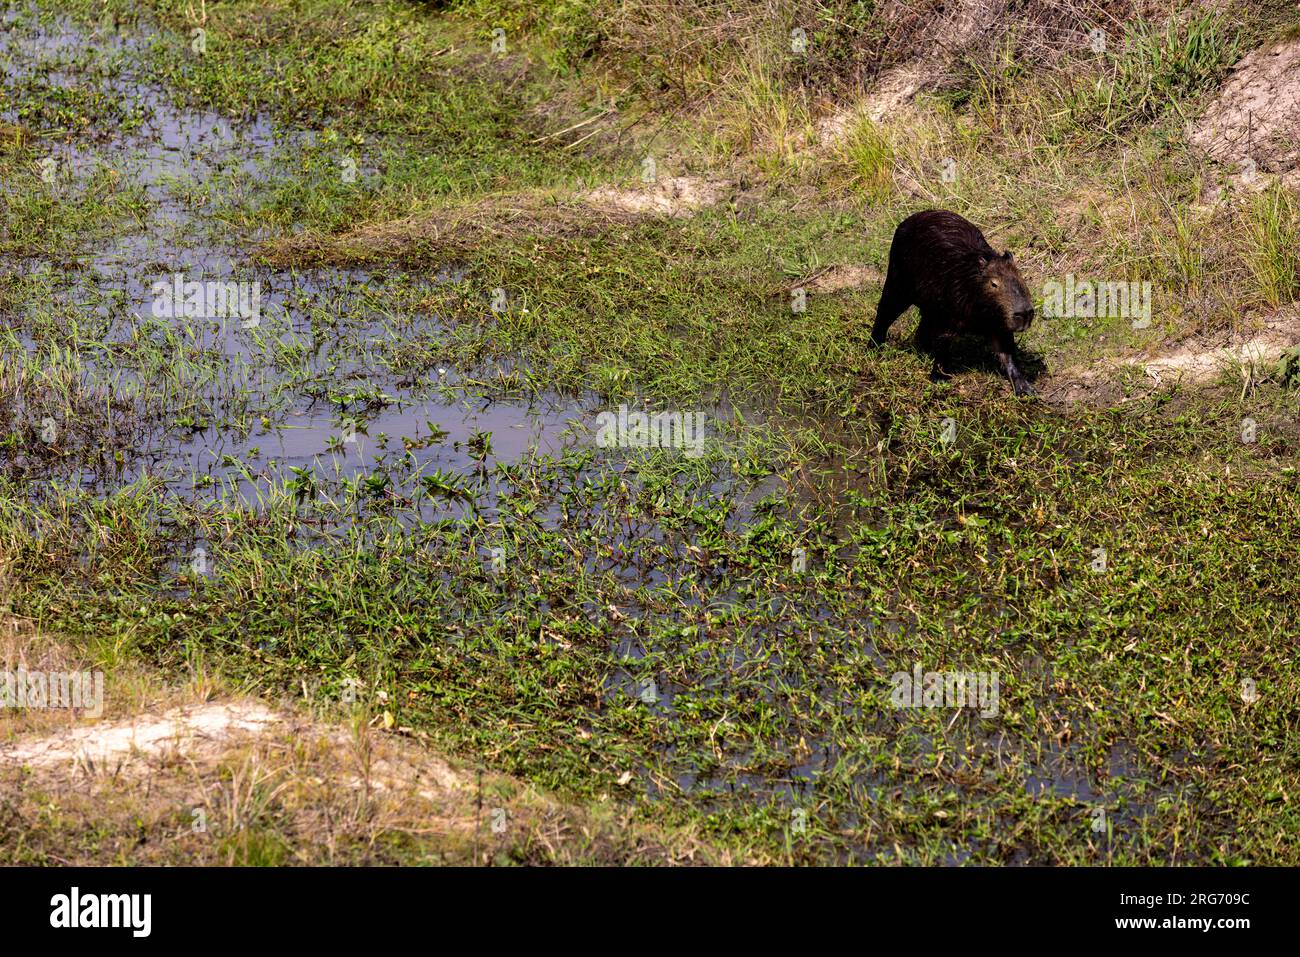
(1021, 386)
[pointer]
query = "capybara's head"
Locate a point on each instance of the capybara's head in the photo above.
(1004, 289)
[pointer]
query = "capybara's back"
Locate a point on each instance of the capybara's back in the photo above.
(934, 256)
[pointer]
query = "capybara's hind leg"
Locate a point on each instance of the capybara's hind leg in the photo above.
(893, 302)
(940, 351)
(929, 341)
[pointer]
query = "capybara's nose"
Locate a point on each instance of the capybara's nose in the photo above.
(1024, 318)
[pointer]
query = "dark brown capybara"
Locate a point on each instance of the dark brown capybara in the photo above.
(942, 264)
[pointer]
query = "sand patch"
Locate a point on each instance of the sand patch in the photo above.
(840, 278)
(1253, 124)
(243, 782)
(945, 39)
(674, 196)
(898, 87)
(1194, 362)
(202, 730)
(204, 733)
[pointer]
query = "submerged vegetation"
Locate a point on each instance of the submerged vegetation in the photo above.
(384, 496)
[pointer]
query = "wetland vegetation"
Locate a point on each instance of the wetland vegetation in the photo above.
(383, 499)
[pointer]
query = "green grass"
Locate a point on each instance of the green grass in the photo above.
(1157, 68)
(976, 556)
(869, 155)
(1273, 249)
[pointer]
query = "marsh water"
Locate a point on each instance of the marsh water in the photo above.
(312, 382)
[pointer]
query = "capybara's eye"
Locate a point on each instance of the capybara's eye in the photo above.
(993, 283)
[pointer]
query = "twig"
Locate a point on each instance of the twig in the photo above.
(570, 129)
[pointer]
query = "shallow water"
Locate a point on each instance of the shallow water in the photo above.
(340, 412)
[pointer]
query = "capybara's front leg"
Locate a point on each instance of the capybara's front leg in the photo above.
(1004, 347)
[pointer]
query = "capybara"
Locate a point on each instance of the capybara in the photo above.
(942, 264)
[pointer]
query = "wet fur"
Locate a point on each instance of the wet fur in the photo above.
(942, 264)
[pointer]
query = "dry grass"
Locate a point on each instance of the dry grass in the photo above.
(199, 774)
(445, 233)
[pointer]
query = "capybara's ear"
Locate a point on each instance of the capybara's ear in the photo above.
(1006, 254)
